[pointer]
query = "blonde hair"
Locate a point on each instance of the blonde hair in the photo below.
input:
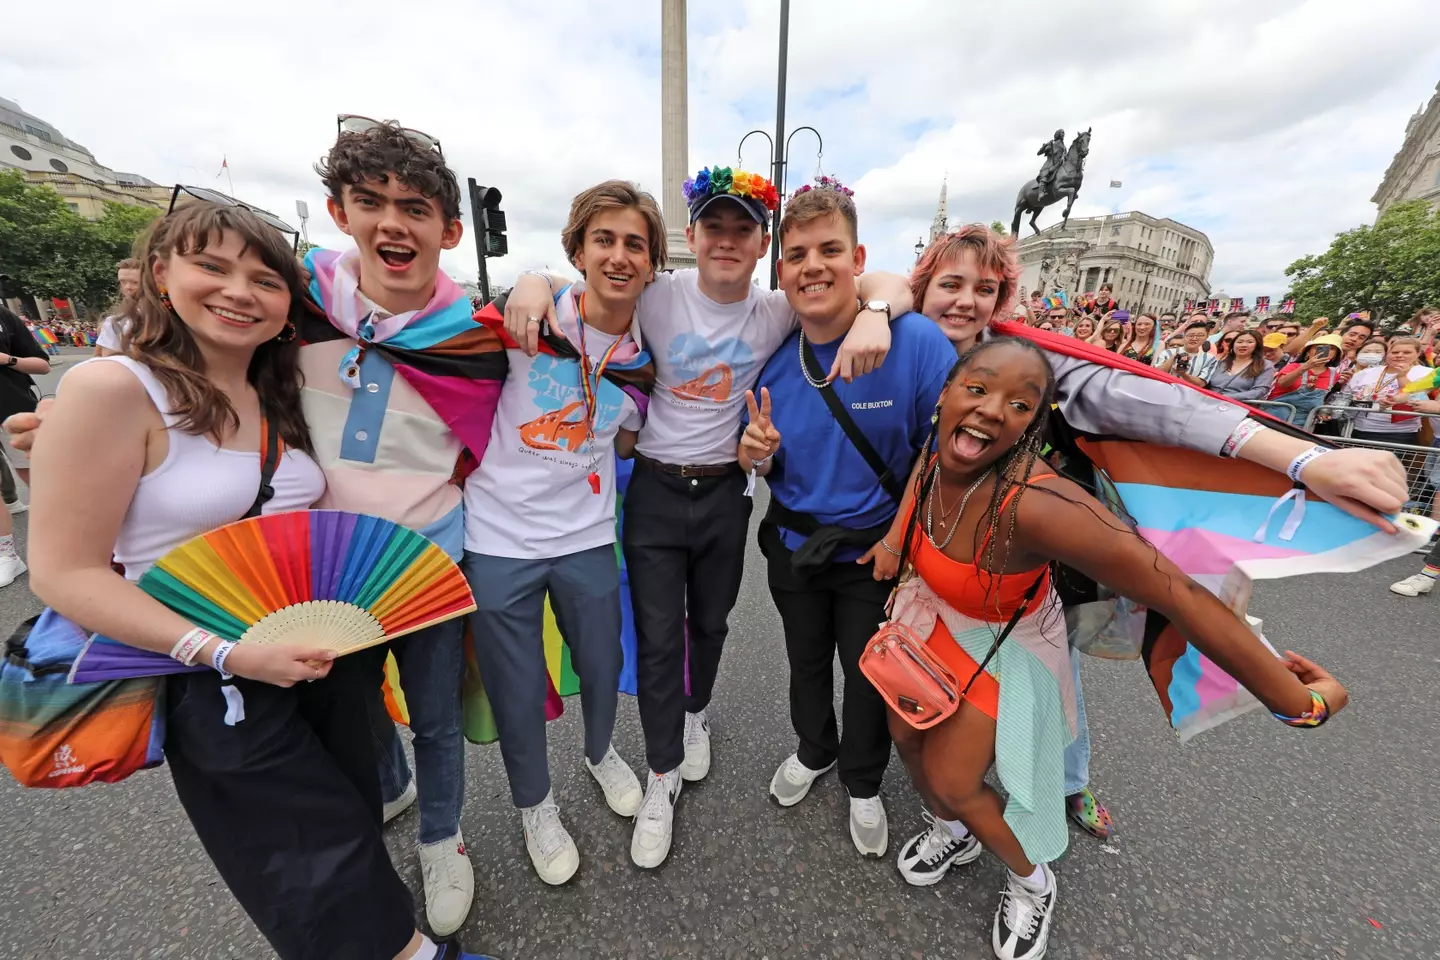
(613, 195)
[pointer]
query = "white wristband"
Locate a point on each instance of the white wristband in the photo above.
(1303, 460)
(761, 462)
(217, 659)
(188, 646)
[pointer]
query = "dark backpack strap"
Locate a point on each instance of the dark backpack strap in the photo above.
(270, 452)
(893, 486)
(1014, 619)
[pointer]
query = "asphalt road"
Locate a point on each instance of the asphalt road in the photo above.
(1253, 842)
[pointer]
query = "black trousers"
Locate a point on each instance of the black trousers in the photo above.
(837, 609)
(684, 543)
(287, 804)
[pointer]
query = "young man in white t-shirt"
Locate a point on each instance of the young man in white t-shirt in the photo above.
(687, 514)
(127, 276)
(540, 513)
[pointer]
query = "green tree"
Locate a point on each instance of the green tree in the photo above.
(998, 227)
(1391, 269)
(52, 252)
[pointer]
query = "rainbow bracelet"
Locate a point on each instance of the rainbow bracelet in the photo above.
(1318, 713)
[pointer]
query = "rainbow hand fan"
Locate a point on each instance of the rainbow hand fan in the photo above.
(325, 578)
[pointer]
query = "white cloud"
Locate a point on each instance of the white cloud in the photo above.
(1266, 125)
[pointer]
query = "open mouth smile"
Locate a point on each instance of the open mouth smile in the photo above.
(395, 256)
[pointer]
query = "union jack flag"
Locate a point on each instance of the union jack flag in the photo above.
(1189, 306)
(1237, 304)
(1288, 306)
(1262, 304)
(1213, 305)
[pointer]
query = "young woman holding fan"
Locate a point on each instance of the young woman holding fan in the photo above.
(145, 451)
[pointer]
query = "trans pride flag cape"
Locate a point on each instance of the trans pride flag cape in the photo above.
(1225, 523)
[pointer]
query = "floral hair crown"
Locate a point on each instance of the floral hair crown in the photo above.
(736, 183)
(824, 182)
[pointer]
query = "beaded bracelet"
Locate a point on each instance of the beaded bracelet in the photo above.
(1318, 713)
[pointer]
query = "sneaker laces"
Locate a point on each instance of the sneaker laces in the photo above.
(868, 811)
(797, 772)
(657, 799)
(937, 839)
(611, 771)
(695, 729)
(1024, 908)
(439, 871)
(543, 823)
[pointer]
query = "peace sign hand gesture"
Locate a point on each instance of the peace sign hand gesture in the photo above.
(761, 439)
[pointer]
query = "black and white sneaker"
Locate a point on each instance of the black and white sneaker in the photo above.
(927, 857)
(1022, 924)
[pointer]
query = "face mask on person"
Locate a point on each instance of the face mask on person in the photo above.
(1369, 359)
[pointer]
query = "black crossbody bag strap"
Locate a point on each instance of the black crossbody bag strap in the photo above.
(1014, 619)
(893, 486)
(269, 463)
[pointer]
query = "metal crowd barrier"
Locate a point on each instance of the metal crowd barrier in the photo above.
(1421, 463)
(1276, 408)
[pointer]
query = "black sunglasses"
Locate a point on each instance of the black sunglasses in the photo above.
(220, 199)
(354, 123)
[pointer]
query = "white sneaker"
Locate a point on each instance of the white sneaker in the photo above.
(401, 803)
(655, 823)
(622, 789)
(1022, 923)
(869, 828)
(697, 747)
(551, 849)
(449, 884)
(928, 856)
(1412, 586)
(19, 506)
(10, 568)
(792, 780)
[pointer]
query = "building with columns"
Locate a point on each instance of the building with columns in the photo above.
(46, 157)
(1414, 174)
(1153, 264)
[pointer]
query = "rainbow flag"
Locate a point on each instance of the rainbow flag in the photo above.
(44, 335)
(1225, 523)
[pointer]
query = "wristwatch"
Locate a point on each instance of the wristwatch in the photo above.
(878, 306)
(12, 361)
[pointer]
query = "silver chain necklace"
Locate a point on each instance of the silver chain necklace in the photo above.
(820, 384)
(929, 515)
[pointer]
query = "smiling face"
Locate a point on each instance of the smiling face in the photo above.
(988, 405)
(129, 281)
(1194, 337)
(225, 294)
(615, 256)
(1244, 345)
(961, 298)
(1112, 333)
(1084, 327)
(727, 243)
(818, 266)
(399, 233)
(1225, 342)
(1144, 329)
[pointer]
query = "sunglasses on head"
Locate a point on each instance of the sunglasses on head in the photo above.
(220, 199)
(354, 123)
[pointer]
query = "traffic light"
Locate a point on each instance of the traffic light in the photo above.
(489, 219)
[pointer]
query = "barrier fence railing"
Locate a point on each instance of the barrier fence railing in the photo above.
(1421, 462)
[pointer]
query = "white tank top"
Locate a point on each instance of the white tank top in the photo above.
(200, 486)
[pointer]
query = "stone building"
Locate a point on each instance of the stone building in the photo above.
(1152, 263)
(47, 157)
(1414, 174)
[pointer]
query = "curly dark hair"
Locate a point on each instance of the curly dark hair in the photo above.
(385, 151)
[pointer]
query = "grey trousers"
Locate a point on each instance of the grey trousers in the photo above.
(509, 630)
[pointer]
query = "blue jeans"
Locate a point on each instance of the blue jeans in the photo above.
(1077, 755)
(432, 664)
(508, 629)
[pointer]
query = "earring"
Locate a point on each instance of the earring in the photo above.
(165, 298)
(287, 333)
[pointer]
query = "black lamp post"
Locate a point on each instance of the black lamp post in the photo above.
(919, 249)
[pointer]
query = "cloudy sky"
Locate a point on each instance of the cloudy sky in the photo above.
(1266, 125)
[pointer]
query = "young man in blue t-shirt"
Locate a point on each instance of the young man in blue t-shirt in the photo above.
(829, 573)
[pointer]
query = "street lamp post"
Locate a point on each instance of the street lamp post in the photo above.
(919, 249)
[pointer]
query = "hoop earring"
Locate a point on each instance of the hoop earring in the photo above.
(287, 333)
(165, 299)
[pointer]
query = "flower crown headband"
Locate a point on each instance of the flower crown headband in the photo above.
(735, 183)
(825, 182)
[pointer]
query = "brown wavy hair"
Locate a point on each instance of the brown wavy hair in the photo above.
(160, 339)
(613, 195)
(386, 151)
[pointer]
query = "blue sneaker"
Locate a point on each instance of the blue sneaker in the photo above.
(451, 950)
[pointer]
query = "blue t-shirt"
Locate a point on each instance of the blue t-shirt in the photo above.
(817, 470)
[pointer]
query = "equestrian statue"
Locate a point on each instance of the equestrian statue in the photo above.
(1060, 176)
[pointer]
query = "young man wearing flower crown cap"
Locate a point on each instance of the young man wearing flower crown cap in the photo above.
(687, 510)
(829, 511)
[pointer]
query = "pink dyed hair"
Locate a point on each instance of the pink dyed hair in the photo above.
(994, 253)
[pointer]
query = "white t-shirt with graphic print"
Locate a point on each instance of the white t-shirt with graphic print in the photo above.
(530, 498)
(706, 355)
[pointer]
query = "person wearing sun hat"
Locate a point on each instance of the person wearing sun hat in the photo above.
(687, 509)
(1303, 383)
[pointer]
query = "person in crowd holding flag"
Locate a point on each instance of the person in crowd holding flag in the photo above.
(687, 510)
(270, 751)
(982, 565)
(1242, 372)
(829, 576)
(113, 327)
(540, 512)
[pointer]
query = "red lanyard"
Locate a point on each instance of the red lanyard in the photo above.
(588, 389)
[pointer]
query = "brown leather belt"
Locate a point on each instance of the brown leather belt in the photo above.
(687, 470)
